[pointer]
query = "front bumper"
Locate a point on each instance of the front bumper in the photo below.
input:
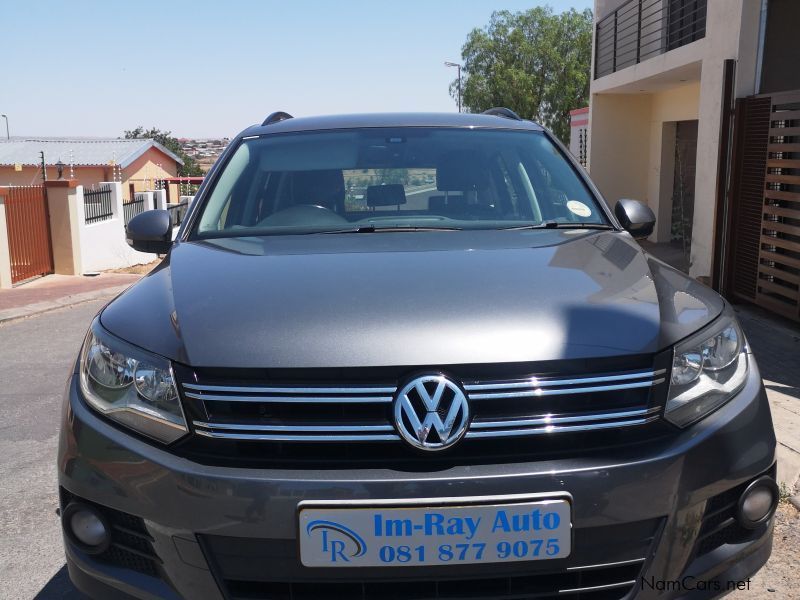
(209, 524)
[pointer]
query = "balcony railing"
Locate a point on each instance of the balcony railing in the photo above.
(642, 29)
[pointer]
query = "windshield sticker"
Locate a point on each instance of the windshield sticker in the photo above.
(579, 208)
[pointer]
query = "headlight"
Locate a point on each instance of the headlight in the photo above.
(131, 386)
(707, 370)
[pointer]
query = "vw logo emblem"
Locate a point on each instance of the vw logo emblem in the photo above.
(431, 412)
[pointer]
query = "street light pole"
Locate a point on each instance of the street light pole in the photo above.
(8, 136)
(457, 66)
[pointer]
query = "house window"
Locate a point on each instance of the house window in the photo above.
(686, 22)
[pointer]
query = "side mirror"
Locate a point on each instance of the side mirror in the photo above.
(636, 217)
(150, 231)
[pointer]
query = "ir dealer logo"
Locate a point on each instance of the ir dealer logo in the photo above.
(339, 542)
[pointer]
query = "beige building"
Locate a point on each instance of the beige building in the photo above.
(665, 74)
(141, 163)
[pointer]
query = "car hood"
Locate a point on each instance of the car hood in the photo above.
(409, 298)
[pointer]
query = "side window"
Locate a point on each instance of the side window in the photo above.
(223, 218)
(255, 199)
(282, 193)
(240, 205)
(527, 178)
(217, 211)
(557, 185)
(508, 186)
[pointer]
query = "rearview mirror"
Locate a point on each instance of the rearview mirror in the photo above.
(636, 217)
(150, 231)
(392, 194)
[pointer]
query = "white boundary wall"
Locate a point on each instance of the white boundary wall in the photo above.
(160, 199)
(103, 244)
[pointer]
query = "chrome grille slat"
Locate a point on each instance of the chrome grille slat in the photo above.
(618, 563)
(557, 428)
(536, 382)
(536, 392)
(290, 389)
(299, 427)
(547, 420)
(293, 399)
(299, 438)
(596, 588)
(338, 428)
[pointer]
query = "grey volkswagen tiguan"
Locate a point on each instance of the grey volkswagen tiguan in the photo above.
(412, 356)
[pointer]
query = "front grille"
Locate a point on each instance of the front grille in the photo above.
(296, 417)
(528, 406)
(602, 583)
(294, 414)
(131, 545)
(606, 563)
(507, 411)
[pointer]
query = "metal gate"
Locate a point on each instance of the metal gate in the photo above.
(764, 251)
(28, 224)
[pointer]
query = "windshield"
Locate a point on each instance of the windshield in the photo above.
(395, 178)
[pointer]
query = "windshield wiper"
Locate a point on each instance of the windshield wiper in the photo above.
(373, 229)
(558, 225)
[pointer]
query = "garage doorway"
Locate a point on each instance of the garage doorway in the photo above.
(672, 241)
(683, 180)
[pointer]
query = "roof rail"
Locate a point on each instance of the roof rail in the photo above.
(499, 111)
(277, 117)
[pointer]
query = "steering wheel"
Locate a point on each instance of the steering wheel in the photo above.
(303, 214)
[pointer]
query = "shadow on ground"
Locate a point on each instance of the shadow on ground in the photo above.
(60, 588)
(776, 346)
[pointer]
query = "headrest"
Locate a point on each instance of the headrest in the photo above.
(391, 194)
(462, 171)
(325, 188)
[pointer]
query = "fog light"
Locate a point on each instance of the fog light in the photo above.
(758, 502)
(86, 527)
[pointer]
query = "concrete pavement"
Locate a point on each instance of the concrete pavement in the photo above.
(35, 357)
(776, 345)
(55, 291)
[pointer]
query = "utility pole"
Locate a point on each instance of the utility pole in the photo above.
(457, 66)
(44, 166)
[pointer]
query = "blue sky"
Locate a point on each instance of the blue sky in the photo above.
(206, 69)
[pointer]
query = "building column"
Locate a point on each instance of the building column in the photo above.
(65, 202)
(705, 186)
(5, 252)
(160, 199)
(116, 197)
(149, 201)
(664, 180)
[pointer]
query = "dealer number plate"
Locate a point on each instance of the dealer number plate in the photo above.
(441, 535)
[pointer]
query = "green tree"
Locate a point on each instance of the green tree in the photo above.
(534, 62)
(391, 176)
(190, 167)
